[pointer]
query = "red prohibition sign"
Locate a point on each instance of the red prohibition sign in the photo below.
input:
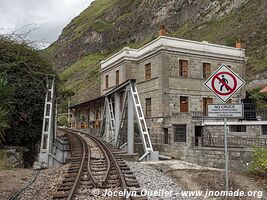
(231, 90)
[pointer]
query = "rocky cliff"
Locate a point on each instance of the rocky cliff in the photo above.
(108, 25)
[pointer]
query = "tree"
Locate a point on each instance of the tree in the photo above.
(25, 69)
(5, 92)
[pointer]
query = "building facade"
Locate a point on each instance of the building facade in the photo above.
(170, 75)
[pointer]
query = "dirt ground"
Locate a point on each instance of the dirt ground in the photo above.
(12, 180)
(197, 178)
(202, 180)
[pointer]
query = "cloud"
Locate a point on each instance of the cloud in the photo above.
(51, 16)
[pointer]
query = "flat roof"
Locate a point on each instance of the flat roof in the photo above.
(175, 44)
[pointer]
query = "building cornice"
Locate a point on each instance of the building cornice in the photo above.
(175, 45)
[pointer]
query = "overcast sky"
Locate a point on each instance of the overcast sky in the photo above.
(51, 15)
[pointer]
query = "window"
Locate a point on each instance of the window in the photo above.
(183, 65)
(148, 107)
(238, 128)
(106, 81)
(206, 102)
(206, 70)
(166, 136)
(148, 71)
(264, 129)
(179, 133)
(117, 77)
(183, 104)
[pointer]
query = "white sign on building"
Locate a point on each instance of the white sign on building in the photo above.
(225, 110)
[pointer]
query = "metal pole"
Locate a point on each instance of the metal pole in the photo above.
(130, 125)
(117, 116)
(226, 154)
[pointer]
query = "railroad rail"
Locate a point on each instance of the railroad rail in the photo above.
(14, 197)
(95, 168)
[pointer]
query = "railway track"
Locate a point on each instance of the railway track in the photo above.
(96, 169)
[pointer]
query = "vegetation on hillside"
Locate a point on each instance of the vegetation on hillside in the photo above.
(82, 78)
(25, 69)
(88, 18)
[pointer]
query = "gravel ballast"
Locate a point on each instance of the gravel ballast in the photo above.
(153, 181)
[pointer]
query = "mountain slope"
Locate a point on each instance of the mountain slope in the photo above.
(108, 25)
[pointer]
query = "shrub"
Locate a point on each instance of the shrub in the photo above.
(259, 162)
(62, 121)
(5, 93)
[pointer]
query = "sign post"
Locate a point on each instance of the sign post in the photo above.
(224, 83)
(226, 154)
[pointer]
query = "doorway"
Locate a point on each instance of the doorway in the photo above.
(198, 135)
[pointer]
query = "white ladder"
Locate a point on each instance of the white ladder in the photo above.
(47, 131)
(141, 121)
(111, 118)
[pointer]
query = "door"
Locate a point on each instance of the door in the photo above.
(198, 135)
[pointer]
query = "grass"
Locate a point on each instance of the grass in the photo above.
(49, 52)
(125, 16)
(137, 45)
(90, 18)
(82, 77)
(82, 65)
(101, 26)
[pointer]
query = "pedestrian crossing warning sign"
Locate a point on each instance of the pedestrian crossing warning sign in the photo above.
(224, 83)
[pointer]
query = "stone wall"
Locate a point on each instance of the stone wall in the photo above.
(111, 72)
(12, 156)
(252, 131)
(210, 157)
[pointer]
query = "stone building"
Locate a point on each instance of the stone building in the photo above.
(170, 75)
